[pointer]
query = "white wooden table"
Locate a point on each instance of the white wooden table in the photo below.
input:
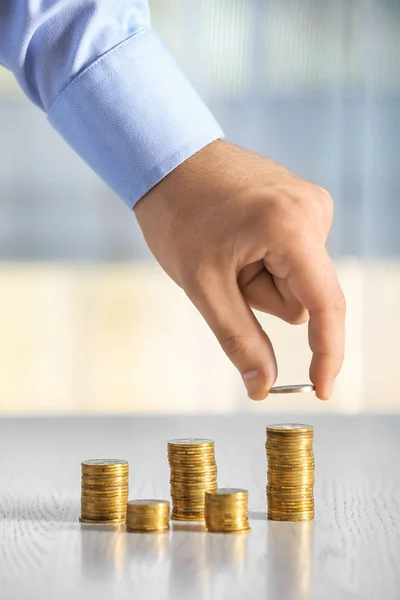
(351, 551)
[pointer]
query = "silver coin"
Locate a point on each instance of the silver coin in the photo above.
(289, 427)
(292, 389)
(229, 491)
(104, 462)
(190, 442)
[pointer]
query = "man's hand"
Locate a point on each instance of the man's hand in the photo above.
(236, 230)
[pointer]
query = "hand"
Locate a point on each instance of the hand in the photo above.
(236, 230)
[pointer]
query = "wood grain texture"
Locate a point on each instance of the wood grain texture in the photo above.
(351, 551)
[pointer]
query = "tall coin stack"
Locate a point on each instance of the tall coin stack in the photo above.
(290, 479)
(147, 516)
(104, 491)
(193, 472)
(226, 510)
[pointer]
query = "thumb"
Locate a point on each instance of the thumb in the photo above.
(223, 306)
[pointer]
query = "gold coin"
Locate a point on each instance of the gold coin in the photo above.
(192, 463)
(104, 485)
(178, 477)
(117, 502)
(274, 451)
(234, 531)
(104, 462)
(291, 513)
(120, 508)
(187, 517)
(288, 439)
(105, 499)
(289, 501)
(290, 491)
(192, 485)
(290, 475)
(190, 450)
(193, 467)
(282, 505)
(89, 514)
(293, 465)
(290, 483)
(300, 491)
(102, 521)
(104, 476)
(183, 442)
(104, 494)
(291, 468)
(104, 471)
(291, 519)
(150, 530)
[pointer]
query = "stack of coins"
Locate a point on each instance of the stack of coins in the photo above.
(226, 510)
(104, 491)
(193, 473)
(147, 516)
(290, 479)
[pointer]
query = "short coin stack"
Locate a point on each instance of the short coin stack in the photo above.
(104, 491)
(148, 516)
(226, 510)
(290, 479)
(193, 471)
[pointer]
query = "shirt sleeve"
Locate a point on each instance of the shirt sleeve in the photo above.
(108, 86)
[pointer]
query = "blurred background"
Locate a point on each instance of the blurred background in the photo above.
(90, 323)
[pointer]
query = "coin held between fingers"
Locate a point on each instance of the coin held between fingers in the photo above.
(292, 389)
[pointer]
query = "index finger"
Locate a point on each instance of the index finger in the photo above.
(313, 281)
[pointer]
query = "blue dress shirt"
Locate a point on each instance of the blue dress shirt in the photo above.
(108, 85)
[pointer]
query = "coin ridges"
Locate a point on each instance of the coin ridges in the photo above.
(148, 516)
(104, 490)
(290, 474)
(226, 510)
(292, 389)
(193, 471)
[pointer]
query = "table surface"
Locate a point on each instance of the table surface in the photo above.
(351, 550)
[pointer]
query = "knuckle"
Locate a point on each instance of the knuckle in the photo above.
(233, 345)
(195, 280)
(286, 212)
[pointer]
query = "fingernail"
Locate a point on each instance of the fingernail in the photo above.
(255, 385)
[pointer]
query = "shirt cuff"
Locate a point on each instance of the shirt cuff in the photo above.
(133, 116)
